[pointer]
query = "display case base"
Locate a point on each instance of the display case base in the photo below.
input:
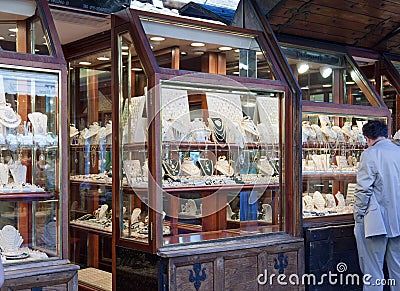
(226, 264)
(50, 275)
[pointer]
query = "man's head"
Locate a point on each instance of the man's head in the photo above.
(374, 130)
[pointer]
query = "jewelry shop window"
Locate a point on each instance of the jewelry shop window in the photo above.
(90, 165)
(30, 183)
(134, 196)
(220, 160)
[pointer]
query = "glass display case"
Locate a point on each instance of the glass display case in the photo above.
(198, 159)
(330, 159)
(337, 101)
(30, 165)
(203, 151)
(33, 156)
(90, 166)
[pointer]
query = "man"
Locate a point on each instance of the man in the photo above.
(378, 176)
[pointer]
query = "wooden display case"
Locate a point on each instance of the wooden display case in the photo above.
(337, 100)
(204, 154)
(90, 165)
(33, 155)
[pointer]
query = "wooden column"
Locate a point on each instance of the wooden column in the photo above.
(176, 54)
(214, 63)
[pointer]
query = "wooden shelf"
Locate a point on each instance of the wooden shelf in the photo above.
(330, 176)
(222, 188)
(89, 147)
(90, 229)
(26, 196)
(333, 145)
(220, 234)
(90, 182)
(209, 189)
(185, 146)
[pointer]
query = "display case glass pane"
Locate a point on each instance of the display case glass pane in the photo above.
(332, 146)
(217, 51)
(40, 41)
(328, 77)
(30, 167)
(8, 36)
(90, 164)
(221, 160)
(134, 194)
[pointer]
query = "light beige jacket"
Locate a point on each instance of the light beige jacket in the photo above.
(379, 173)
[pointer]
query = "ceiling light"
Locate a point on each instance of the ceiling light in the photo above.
(37, 50)
(304, 88)
(183, 53)
(124, 53)
(11, 34)
(103, 58)
(157, 38)
(302, 67)
(325, 71)
(85, 63)
(1, 37)
(124, 47)
(327, 85)
(225, 48)
(197, 44)
(137, 69)
(13, 29)
(350, 83)
(259, 53)
(237, 50)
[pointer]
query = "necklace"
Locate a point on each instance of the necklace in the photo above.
(218, 128)
(172, 168)
(206, 166)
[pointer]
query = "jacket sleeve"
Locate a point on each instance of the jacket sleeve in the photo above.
(365, 183)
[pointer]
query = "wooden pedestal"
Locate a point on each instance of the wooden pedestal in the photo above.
(228, 264)
(50, 275)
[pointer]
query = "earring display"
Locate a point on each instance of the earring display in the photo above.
(133, 172)
(189, 208)
(175, 114)
(133, 126)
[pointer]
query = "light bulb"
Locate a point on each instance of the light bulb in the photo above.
(325, 71)
(302, 67)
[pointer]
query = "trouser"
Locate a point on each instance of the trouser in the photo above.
(372, 253)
